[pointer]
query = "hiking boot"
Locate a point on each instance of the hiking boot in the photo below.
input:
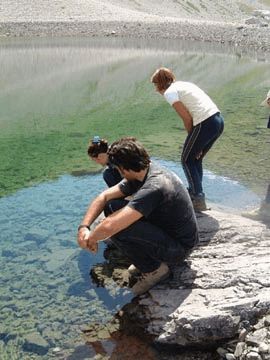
(147, 280)
(132, 270)
(199, 203)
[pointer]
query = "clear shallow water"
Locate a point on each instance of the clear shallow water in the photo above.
(45, 288)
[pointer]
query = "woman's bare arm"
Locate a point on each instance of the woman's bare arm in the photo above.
(183, 112)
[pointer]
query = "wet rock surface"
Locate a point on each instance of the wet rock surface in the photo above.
(218, 298)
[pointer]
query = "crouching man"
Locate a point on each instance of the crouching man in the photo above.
(154, 229)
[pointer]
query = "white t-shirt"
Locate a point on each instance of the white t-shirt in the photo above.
(198, 103)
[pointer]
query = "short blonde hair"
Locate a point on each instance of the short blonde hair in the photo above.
(162, 78)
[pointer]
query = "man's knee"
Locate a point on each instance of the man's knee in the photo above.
(140, 230)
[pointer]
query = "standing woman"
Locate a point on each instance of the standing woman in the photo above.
(202, 121)
(97, 151)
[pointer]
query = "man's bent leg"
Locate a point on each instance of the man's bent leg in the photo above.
(147, 246)
(150, 249)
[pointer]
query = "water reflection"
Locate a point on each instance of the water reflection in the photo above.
(57, 93)
(46, 292)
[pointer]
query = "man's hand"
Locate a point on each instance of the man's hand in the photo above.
(82, 237)
(92, 245)
(85, 241)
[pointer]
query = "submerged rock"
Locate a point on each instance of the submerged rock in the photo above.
(35, 343)
(38, 236)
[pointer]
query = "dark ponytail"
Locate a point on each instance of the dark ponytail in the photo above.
(97, 146)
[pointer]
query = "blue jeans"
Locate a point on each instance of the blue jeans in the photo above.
(199, 141)
(146, 245)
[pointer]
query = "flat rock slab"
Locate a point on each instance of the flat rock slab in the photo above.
(224, 284)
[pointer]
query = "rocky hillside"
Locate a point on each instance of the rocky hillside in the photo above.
(223, 21)
(192, 9)
(126, 10)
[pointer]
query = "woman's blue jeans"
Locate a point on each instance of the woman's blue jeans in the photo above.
(198, 142)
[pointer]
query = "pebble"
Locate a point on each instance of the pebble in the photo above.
(267, 320)
(230, 356)
(253, 343)
(264, 348)
(253, 356)
(243, 334)
(239, 349)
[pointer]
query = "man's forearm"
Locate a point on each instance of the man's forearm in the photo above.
(100, 232)
(94, 210)
(98, 204)
(114, 223)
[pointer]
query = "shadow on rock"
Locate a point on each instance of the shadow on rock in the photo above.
(208, 227)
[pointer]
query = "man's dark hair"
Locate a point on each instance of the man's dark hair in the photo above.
(129, 154)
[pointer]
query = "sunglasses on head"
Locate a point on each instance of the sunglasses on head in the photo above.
(96, 140)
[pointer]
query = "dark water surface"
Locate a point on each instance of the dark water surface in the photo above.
(55, 95)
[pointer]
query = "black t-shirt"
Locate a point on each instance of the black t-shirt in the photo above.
(163, 200)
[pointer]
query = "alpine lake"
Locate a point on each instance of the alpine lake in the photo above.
(56, 94)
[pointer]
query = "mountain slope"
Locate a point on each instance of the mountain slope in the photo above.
(126, 10)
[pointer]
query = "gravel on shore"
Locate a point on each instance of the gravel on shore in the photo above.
(244, 37)
(221, 22)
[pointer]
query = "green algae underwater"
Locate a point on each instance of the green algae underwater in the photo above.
(57, 94)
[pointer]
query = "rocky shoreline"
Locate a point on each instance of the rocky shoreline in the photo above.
(241, 36)
(218, 299)
(244, 25)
